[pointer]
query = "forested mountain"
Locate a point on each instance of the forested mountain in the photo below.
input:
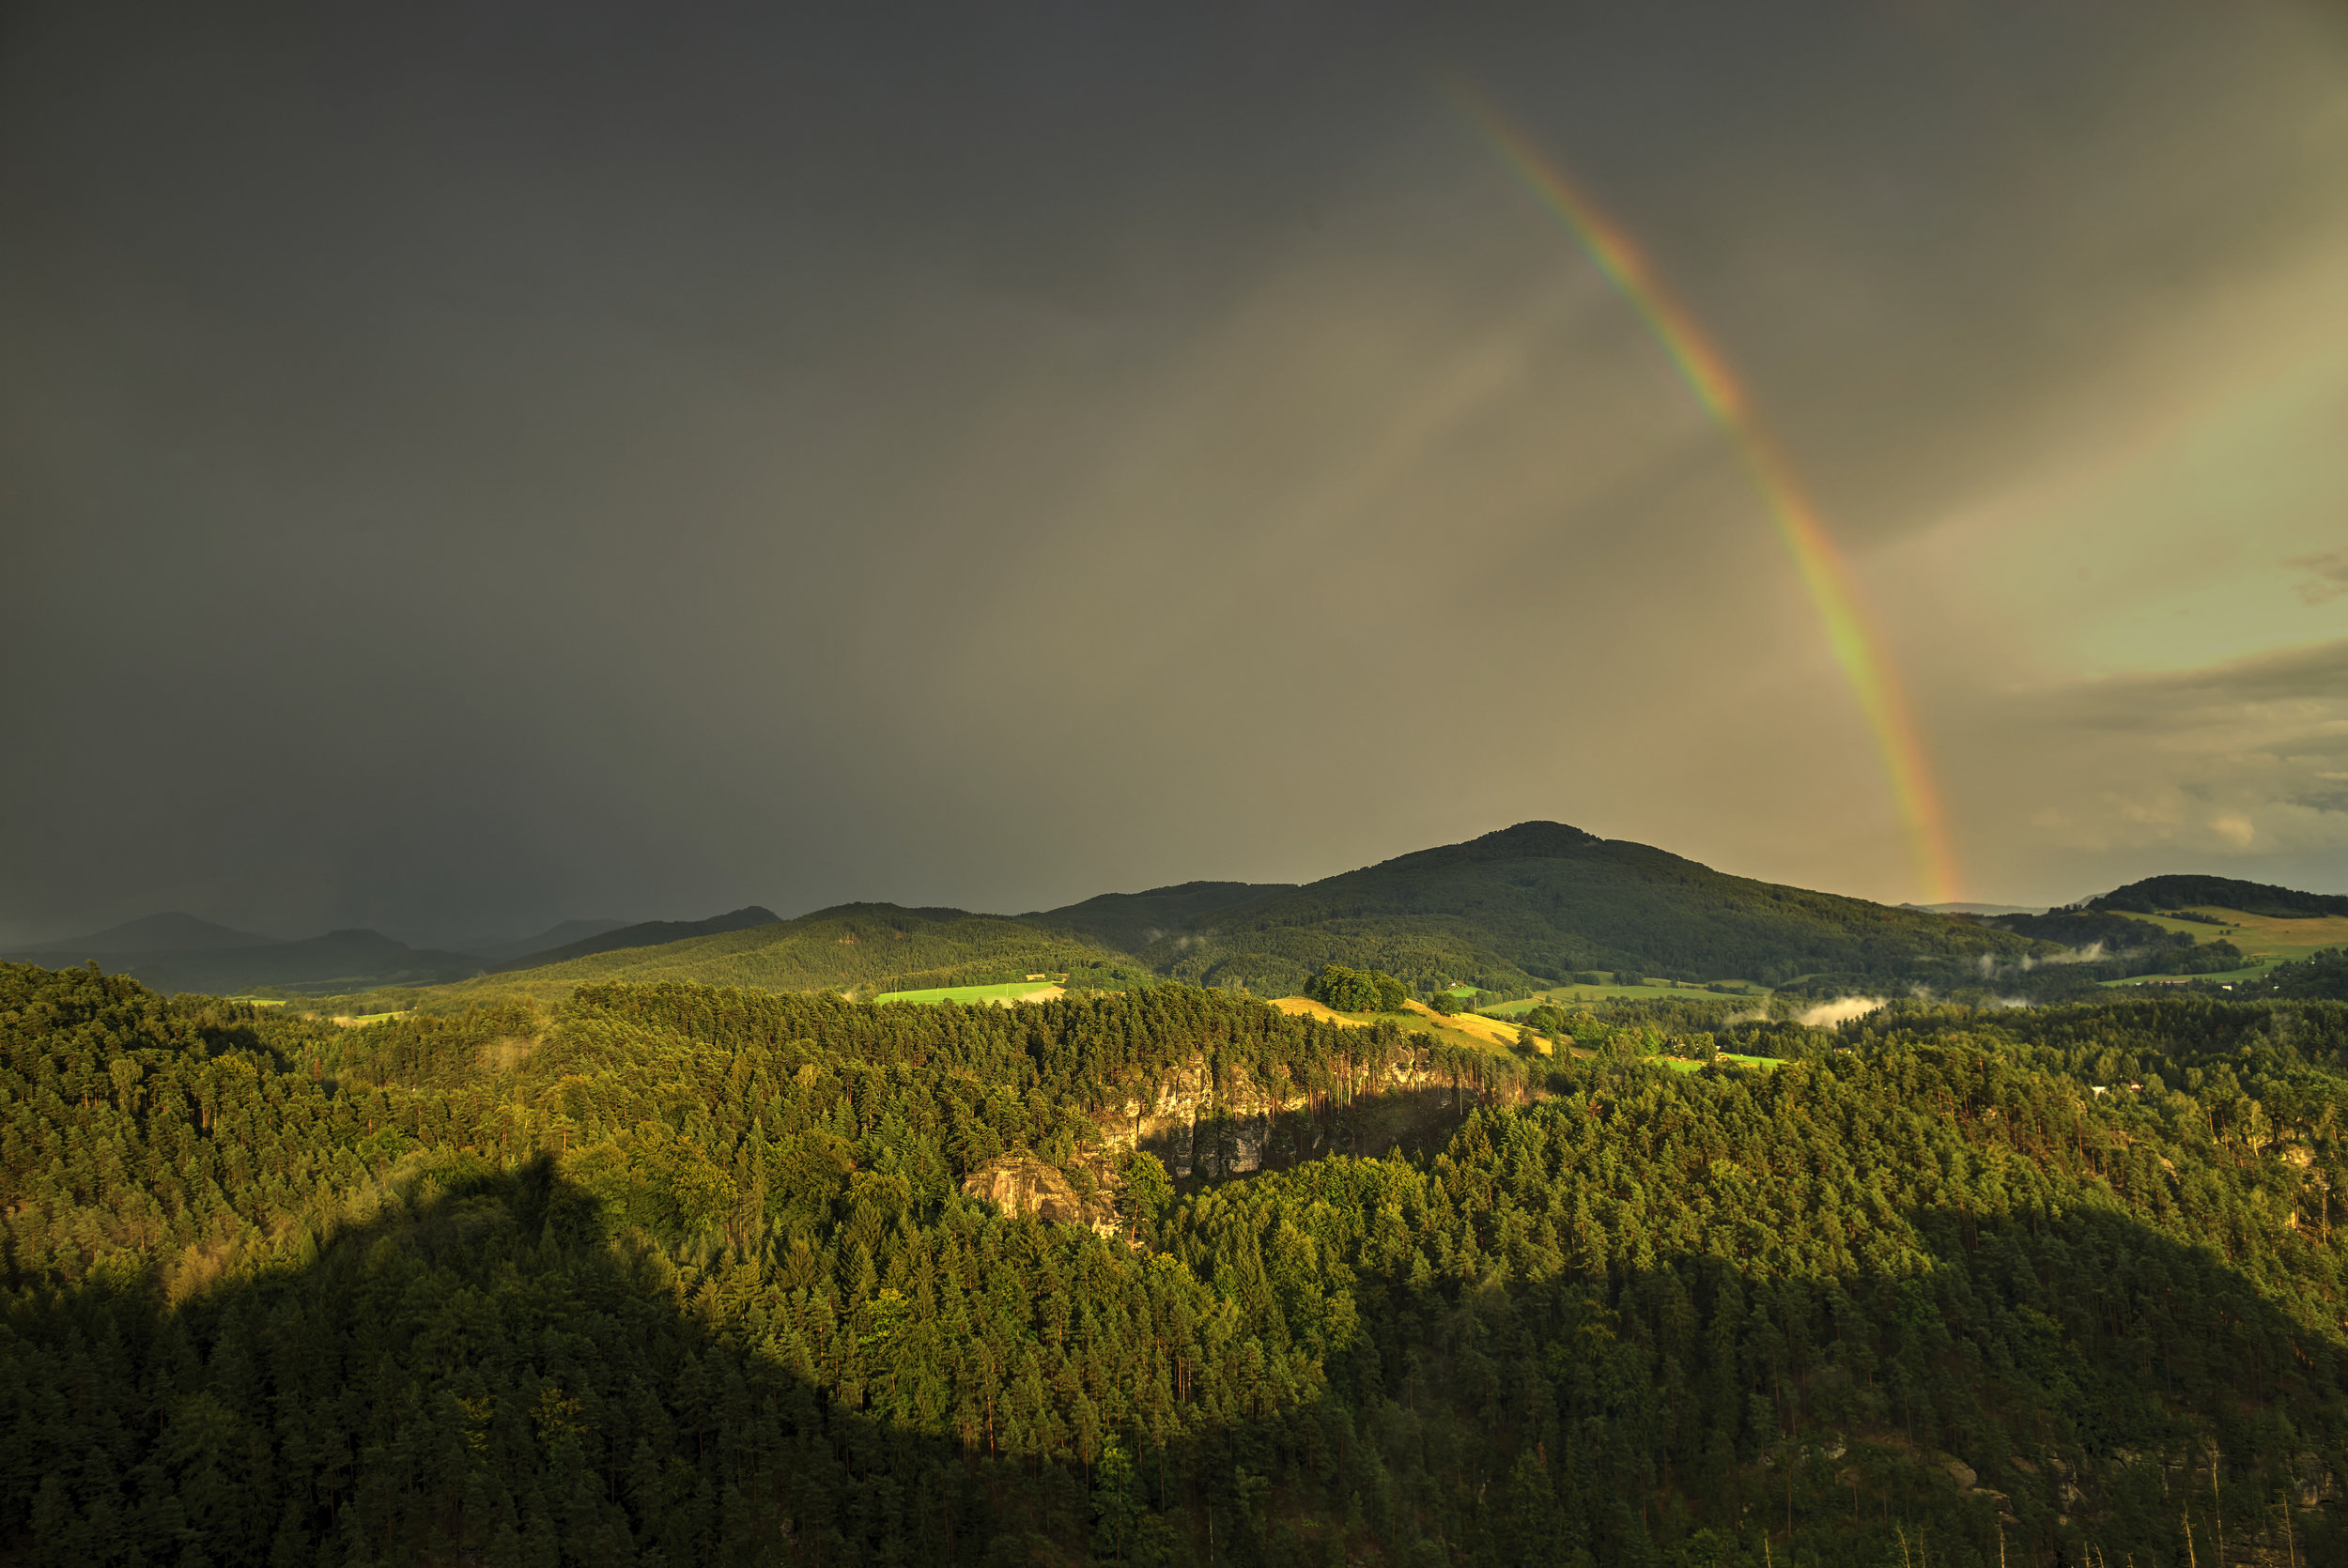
(1532, 905)
(2159, 894)
(673, 1274)
(864, 947)
(644, 933)
(1131, 921)
(1536, 902)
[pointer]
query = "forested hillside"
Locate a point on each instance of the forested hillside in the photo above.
(644, 933)
(2104, 945)
(1539, 902)
(2159, 894)
(1131, 921)
(1512, 910)
(2319, 976)
(866, 949)
(668, 1273)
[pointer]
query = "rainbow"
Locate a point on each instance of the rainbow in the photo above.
(1857, 647)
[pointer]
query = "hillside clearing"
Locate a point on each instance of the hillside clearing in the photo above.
(1480, 1034)
(1485, 1031)
(1683, 1064)
(1005, 994)
(2265, 936)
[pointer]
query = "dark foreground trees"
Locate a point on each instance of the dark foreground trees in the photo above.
(686, 1276)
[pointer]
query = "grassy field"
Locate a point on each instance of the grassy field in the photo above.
(353, 1020)
(1478, 1034)
(1681, 1064)
(2262, 935)
(1010, 991)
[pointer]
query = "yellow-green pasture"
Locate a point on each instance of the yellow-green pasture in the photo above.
(1681, 1064)
(1009, 991)
(2264, 936)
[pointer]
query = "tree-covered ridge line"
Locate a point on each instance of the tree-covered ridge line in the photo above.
(1538, 902)
(863, 949)
(688, 1272)
(2164, 894)
(1509, 912)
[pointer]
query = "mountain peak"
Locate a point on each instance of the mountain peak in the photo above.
(1525, 842)
(1532, 841)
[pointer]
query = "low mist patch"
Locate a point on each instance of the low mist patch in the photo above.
(1825, 1015)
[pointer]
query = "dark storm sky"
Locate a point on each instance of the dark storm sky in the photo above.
(463, 466)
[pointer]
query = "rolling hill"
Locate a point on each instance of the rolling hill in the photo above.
(1536, 903)
(1530, 905)
(645, 933)
(866, 949)
(1131, 921)
(2157, 894)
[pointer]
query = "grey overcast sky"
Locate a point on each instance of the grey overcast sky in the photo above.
(469, 465)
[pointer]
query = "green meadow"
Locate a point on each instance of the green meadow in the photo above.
(1681, 1064)
(2267, 936)
(1011, 990)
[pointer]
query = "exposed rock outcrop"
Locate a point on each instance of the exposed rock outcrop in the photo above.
(1200, 1128)
(1022, 1184)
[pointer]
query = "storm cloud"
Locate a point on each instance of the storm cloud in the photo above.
(469, 465)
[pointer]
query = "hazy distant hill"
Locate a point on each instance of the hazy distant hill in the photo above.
(1541, 900)
(866, 948)
(646, 933)
(1131, 921)
(2155, 894)
(337, 961)
(561, 935)
(173, 932)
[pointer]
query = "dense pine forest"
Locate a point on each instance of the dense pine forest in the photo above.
(669, 1273)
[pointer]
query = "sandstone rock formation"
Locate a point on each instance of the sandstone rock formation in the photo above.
(1022, 1184)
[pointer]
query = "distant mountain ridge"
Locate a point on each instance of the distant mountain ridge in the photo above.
(645, 933)
(561, 935)
(1537, 905)
(171, 932)
(338, 960)
(1527, 906)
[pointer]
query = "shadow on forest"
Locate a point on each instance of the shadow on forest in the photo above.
(1223, 1143)
(482, 1375)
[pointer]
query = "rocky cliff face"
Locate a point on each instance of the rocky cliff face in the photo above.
(1193, 1128)
(1200, 1128)
(1022, 1184)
